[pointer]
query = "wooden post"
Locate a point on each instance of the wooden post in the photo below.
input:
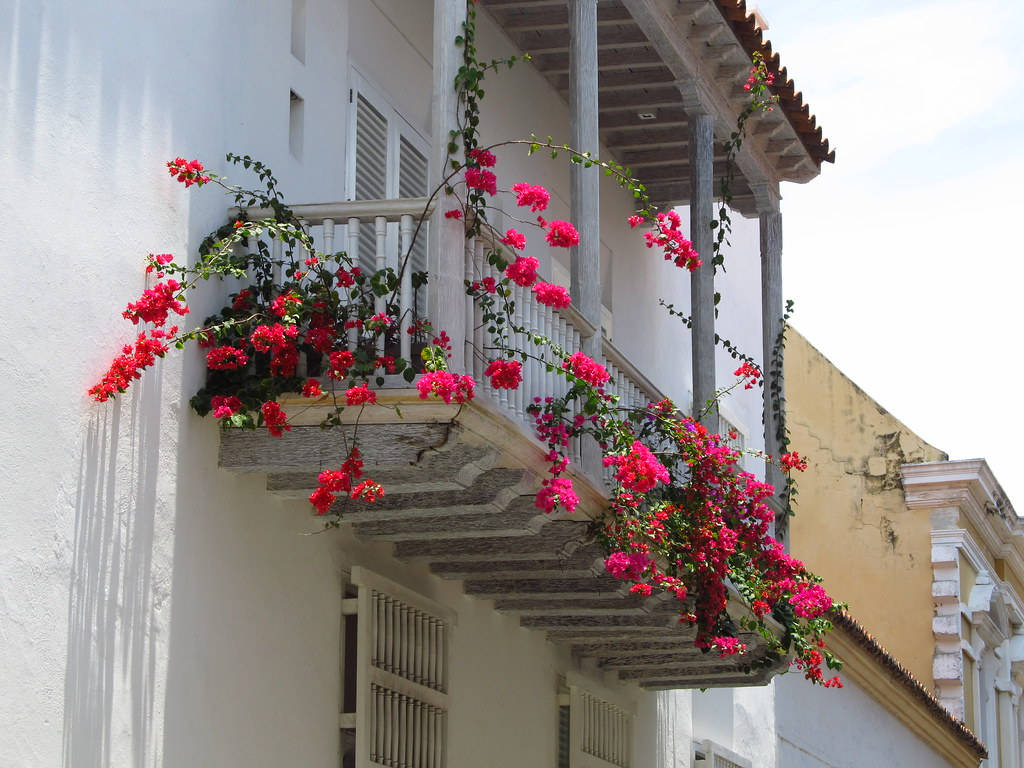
(585, 188)
(702, 280)
(447, 236)
(771, 328)
(585, 182)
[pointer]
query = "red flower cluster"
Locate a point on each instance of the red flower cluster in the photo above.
(447, 386)
(340, 362)
(670, 238)
(561, 234)
(155, 303)
(312, 388)
(791, 461)
(279, 341)
(188, 172)
(532, 195)
(523, 271)
(487, 284)
(505, 374)
(340, 481)
(810, 601)
(131, 362)
(225, 407)
(552, 295)
(514, 239)
(748, 371)
(639, 470)
(275, 419)
(454, 213)
(482, 179)
(361, 395)
(226, 358)
(484, 158)
(556, 491)
(583, 367)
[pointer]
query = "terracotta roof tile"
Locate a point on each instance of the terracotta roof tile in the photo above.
(745, 27)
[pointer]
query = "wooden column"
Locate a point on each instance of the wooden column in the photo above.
(447, 239)
(585, 189)
(702, 281)
(585, 265)
(771, 327)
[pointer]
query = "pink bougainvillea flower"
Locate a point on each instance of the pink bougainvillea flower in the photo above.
(505, 374)
(225, 407)
(557, 492)
(484, 158)
(275, 418)
(583, 367)
(447, 386)
(361, 395)
(562, 234)
(523, 271)
(532, 195)
(482, 179)
(552, 295)
(514, 239)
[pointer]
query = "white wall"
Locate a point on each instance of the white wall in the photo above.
(155, 610)
(843, 728)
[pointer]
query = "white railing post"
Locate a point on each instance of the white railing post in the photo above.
(381, 262)
(405, 302)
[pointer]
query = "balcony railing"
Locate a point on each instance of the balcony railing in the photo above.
(378, 233)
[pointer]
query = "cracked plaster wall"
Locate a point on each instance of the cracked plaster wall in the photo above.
(852, 526)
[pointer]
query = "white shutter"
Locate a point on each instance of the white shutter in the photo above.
(600, 729)
(402, 678)
(412, 182)
(371, 172)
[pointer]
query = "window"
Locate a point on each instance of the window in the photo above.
(593, 730)
(400, 666)
(389, 161)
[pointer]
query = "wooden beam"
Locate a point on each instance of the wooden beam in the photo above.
(556, 540)
(620, 58)
(624, 122)
(555, 40)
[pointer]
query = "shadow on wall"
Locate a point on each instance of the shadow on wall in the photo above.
(110, 673)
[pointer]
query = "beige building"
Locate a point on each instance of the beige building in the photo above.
(926, 551)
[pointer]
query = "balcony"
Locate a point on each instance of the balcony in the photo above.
(460, 480)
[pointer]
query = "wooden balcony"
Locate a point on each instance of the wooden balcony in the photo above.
(461, 481)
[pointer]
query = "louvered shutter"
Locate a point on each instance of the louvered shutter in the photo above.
(402, 678)
(371, 172)
(600, 730)
(412, 182)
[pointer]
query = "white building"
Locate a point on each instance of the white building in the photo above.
(159, 606)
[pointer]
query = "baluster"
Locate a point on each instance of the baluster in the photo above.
(352, 231)
(478, 317)
(470, 311)
(405, 301)
(532, 376)
(547, 390)
(381, 262)
(520, 319)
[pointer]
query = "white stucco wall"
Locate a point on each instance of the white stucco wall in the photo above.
(844, 728)
(155, 610)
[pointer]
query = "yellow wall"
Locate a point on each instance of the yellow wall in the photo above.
(852, 526)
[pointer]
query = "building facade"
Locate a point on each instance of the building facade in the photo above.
(169, 598)
(881, 512)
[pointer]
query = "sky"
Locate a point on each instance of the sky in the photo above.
(904, 259)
